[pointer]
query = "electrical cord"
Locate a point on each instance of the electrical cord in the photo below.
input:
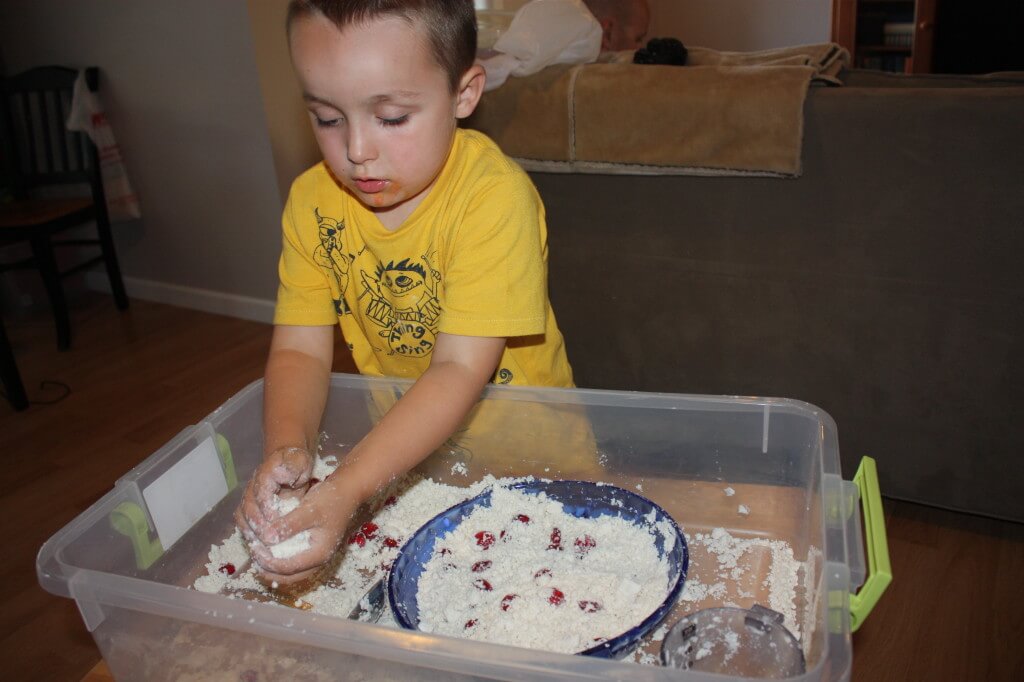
(43, 385)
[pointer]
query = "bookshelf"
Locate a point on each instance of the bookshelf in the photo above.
(887, 35)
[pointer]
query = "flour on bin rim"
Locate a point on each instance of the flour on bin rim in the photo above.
(526, 573)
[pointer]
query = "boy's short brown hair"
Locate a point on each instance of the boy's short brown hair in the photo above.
(450, 24)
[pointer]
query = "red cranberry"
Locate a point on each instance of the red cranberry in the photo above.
(470, 623)
(357, 539)
(506, 601)
(543, 571)
(484, 539)
(390, 501)
(556, 539)
(481, 566)
(522, 518)
(482, 584)
(589, 606)
(390, 542)
(227, 569)
(557, 597)
(584, 544)
(369, 529)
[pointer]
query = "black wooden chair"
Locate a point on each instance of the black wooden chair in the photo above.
(40, 154)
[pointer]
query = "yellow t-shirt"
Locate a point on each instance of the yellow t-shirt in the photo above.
(470, 260)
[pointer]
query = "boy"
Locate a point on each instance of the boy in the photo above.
(423, 241)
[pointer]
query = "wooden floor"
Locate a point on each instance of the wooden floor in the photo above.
(954, 611)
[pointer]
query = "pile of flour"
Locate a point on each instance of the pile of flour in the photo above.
(524, 572)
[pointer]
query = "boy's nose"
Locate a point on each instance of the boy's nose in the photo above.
(360, 148)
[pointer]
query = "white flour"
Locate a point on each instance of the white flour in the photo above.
(296, 544)
(526, 573)
(411, 501)
(781, 581)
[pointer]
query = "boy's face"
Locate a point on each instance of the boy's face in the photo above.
(382, 110)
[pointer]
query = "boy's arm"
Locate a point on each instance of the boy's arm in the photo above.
(295, 387)
(294, 394)
(429, 412)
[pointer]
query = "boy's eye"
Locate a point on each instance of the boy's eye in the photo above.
(329, 123)
(394, 121)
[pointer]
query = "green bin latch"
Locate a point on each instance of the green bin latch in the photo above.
(129, 519)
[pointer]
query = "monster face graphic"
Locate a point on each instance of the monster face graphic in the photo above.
(331, 256)
(401, 298)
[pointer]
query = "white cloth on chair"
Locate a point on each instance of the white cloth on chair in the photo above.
(87, 115)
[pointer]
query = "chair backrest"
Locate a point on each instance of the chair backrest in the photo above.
(38, 146)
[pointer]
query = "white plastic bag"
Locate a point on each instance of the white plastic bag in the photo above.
(542, 33)
(87, 115)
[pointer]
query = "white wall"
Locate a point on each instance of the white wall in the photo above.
(181, 88)
(742, 25)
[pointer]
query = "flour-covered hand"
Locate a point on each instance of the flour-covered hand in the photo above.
(301, 542)
(284, 473)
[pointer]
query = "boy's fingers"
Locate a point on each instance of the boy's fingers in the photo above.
(264, 488)
(255, 516)
(319, 552)
(289, 473)
(243, 525)
(279, 530)
(269, 578)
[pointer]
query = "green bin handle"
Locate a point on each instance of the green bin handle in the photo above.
(879, 569)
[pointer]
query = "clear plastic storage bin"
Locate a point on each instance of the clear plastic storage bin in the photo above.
(129, 559)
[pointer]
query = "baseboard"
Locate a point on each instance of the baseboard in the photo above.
(232, 305)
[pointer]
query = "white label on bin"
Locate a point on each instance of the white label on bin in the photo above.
(186, 492)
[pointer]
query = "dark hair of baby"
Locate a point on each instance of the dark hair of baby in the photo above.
(662, 51)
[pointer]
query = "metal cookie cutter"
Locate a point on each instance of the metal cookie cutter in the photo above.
(734, 641)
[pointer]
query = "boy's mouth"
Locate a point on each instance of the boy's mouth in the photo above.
(370, 185)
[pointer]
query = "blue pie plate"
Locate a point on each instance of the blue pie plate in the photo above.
(581, 499)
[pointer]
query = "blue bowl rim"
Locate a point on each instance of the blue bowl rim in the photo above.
(609, 648)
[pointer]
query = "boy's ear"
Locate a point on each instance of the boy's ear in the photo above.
(471, 87)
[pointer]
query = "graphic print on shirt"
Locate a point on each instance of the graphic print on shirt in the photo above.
(401, 298)
(330, 255)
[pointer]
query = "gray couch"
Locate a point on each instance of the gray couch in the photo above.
(883, 285)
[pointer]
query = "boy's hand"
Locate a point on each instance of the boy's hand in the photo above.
(283, 473)
(325, 512)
